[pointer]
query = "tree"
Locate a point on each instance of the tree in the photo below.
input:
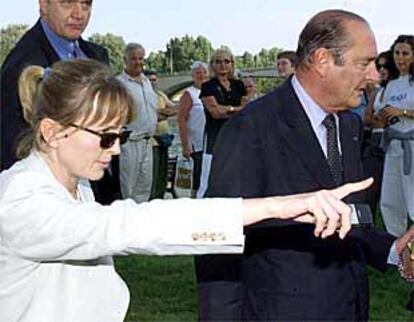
(115, 46)
(247, 60)
(9, 36)
(182, 52)
(273, 52)
(157, 62)
(203, 49)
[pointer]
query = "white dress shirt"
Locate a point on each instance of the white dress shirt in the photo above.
(55, 251)
(316, 115)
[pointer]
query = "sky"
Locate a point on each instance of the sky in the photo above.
(243, 25)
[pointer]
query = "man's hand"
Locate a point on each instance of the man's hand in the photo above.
(329, 213)
(405, 249)
(323, 208)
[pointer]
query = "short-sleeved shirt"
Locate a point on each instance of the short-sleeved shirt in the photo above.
(232, 97)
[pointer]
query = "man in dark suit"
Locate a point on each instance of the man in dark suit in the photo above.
(55, 36)
(282, 144)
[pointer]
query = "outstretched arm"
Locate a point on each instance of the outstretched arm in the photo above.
(323, 208)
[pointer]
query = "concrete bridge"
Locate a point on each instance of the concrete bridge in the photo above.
(171, 84)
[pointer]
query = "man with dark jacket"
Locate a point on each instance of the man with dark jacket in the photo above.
(55, 36)
(299, 138)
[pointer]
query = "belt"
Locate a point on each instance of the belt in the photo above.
(138, 137)
(393, 134)
(378, 130)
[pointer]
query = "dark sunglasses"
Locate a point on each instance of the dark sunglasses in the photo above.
(107, 139)
(379, 66)
(224, 61)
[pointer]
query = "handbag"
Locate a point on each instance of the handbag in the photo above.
(184, 173)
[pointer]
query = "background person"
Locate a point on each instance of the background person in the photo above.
(222, 97)
(56, 242)
(373, 154)
(136, 162)
(251, 90)
(55, 36)
(191, 121)
(162, 139)
(286, 63)
(397, 195)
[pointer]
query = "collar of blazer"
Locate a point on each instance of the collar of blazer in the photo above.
(35, 164)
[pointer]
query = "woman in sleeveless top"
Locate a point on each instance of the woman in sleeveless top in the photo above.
(192, 120)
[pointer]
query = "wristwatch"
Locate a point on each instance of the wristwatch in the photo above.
(405, 113)
(231, 109)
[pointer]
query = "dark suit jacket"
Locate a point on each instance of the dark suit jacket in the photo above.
(288, 274)
(34, 49)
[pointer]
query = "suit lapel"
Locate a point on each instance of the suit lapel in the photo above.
(49, 52)
(298, 133)
(84, 46)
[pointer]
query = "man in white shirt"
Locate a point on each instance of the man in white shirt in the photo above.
(136, 154)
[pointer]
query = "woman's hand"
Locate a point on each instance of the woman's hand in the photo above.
(187, 152)
(389, 112)
(405, 250)
(323, 208)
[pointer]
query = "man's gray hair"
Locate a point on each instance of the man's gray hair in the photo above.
(326, 29)
(132, 46)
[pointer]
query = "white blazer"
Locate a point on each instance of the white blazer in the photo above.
(55, 251)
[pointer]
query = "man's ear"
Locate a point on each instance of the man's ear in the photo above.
(43, 7)
(322, 60)
(51, 132)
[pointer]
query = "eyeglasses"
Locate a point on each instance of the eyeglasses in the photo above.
(152, 80)
(68, 4)
(107, 139)
(224, 61)
(379, 66)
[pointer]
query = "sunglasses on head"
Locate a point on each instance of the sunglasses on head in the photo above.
(224, 61)
(107, 139)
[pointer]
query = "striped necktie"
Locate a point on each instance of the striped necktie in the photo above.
(334, 158)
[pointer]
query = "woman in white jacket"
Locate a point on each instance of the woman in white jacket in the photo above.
(56, 242)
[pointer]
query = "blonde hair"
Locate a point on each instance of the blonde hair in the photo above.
(220, 53)
(81, 91)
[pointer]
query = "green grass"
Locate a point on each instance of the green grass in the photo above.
(163, 289)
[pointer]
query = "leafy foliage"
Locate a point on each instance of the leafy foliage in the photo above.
(115, 46)
(9, 36)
